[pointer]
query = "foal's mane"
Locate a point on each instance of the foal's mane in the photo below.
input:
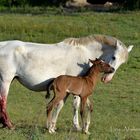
(84, 41)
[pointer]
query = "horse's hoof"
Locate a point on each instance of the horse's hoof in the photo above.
(12, 127)
(77, 128)
(55, 128)
(86, 132)
(8, 125)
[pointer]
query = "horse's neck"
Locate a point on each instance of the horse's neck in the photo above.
(98, 50)
(93, 75)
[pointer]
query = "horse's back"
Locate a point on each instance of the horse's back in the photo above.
(33, 64)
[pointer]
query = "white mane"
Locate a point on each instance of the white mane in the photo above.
(84, 41)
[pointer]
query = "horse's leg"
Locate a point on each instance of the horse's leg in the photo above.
(57, 110)
(88, 115)
(4, 89)
(76, 104)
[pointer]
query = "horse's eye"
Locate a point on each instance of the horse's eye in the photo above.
(113, 57)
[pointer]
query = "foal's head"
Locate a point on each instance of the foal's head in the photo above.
(102, 66)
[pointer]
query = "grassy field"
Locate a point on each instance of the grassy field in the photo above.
(116, 114)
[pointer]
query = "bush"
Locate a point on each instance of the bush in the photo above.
(10, 3)
(132, 4)
(128, 4)
(3, 2)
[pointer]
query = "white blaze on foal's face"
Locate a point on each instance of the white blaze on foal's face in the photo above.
(119, 57)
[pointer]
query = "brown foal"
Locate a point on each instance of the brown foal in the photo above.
(77, 85)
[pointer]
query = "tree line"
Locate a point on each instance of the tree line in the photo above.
(128, 4)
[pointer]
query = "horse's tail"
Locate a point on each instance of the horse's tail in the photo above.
(49, 87)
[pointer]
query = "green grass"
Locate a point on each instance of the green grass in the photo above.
(116, 114)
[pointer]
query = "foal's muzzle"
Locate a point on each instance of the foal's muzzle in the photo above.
(112, 70)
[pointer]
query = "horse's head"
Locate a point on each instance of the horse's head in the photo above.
(102, 66)
(115, 59)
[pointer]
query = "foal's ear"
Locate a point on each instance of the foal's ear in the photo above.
(91, 61)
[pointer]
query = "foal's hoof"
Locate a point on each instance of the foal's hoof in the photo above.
(86, 132)
(47, 96)
(52, 131)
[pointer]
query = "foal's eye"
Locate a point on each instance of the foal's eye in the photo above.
(113, 57)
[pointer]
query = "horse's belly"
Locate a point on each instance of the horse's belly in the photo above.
(37, 79)
(35, 68)
(34, 83)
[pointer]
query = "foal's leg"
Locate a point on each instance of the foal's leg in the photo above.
(51, 105)
(55, 113)
(48, 111)
(88, 115)
(76, 104)
(57, 110)
(82, 110)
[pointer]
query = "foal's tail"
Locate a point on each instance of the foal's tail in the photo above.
(49, 86)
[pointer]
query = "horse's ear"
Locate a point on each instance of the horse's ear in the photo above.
(130, 48)
(117, 43)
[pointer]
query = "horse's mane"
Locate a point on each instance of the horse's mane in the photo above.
(84, 41)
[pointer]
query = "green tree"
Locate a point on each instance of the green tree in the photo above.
(132, 4)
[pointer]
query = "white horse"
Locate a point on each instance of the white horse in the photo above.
(34, 65)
